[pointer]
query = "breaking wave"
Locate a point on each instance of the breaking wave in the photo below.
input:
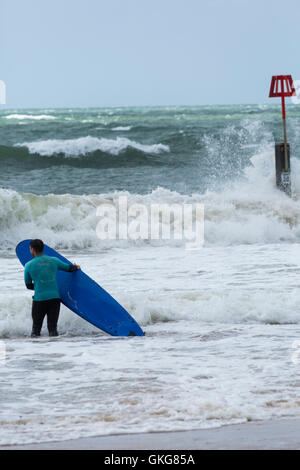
(88, 145)
(34, 117)
(250, 210)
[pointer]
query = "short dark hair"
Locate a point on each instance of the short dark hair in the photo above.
(37, 245)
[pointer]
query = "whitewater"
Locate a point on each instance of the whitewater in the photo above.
(221, 323)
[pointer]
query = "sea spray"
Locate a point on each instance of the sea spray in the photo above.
(249, 210)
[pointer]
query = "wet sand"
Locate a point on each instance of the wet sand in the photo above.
(274, 434)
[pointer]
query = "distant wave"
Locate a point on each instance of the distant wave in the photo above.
(21, 158)
(122, 128)
(86, 145)
(37, 117)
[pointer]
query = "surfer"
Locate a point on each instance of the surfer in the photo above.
(40, 276)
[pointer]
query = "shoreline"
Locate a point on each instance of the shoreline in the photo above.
(256, 435)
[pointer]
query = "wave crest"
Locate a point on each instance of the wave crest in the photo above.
(34, 117)
(87, 145)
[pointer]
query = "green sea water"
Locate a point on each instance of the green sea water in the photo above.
(185, 149)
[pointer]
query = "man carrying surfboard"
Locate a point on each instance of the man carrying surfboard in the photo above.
(40, 276)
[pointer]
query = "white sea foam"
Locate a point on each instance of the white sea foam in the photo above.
(239, 285)
(209, 320)
(122, 128)
(37, 117)
(252, 210)
(136, 379)
(15, 321)
(215, 306)
(86, 145)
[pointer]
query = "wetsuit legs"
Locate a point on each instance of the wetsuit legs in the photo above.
(52, 316)
(39, 310)
(37, 318)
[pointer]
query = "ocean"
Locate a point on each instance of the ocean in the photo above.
(221, 322)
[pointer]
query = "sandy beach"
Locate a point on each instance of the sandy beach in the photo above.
(267, 435)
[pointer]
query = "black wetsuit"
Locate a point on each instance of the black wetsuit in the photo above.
(40, 276)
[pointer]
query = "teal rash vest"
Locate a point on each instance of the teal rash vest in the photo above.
(42, 271)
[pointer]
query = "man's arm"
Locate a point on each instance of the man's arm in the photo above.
(27, 279)
(66, 267)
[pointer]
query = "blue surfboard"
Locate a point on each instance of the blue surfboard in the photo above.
(85, 297)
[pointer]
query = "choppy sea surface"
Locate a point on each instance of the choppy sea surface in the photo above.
(222, 322)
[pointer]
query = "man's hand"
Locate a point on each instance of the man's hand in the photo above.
(74, 267)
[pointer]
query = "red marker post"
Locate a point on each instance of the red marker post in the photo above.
(282, 87)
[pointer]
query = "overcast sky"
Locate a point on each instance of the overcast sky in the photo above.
(69, 53)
